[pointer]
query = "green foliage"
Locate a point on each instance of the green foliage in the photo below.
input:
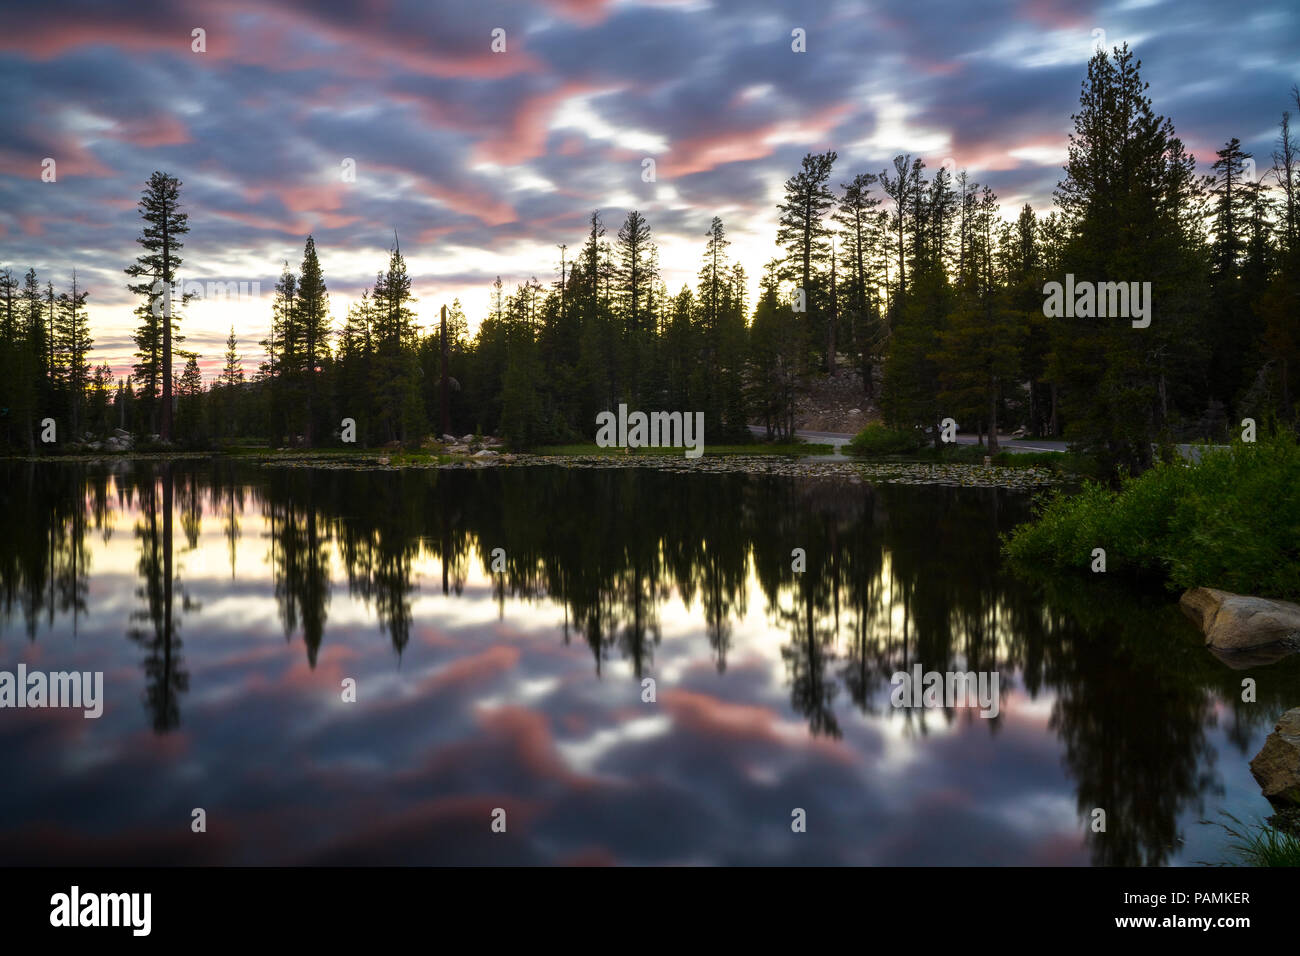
(1265, 844)
(878, 439)
(1231, 521)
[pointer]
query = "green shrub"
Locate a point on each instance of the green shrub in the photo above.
(878, 439)
(1262, 845)
(1231, 521)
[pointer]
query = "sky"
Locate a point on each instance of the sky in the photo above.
(481, 162)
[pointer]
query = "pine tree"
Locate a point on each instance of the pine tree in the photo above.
(804, 235)
(711, 303)
(232, 373)
(861, 226)
(229, 385)
(164, 224)
(12, 344)
(1231, 337)
(1281, 334)
(635, 278)
(313, 331)
(774, 358)
(282, 351)
(353, 369)
(33, 359)
(74, 345)
(396, 367)
(978, 352)
(1132, 206)
(189, 395)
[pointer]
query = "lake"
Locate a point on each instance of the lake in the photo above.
(496, 628)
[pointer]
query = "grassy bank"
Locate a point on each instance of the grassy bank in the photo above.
(1231, 521)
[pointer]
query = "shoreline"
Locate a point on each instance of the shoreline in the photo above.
(952, 474)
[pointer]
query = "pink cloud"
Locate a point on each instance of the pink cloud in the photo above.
(523, 136)
(581, 11)
(160, 130)
(529, 733)
(328, 197)
(70, 156)
(474, 669)
(472, 202)
(710, 150)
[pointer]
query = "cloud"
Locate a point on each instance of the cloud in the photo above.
(479, 156)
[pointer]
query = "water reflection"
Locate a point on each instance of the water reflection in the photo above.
(633, 565)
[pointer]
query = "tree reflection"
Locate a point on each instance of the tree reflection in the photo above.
(159, 630)
(895, 576)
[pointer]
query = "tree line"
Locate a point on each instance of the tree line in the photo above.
(909, 278)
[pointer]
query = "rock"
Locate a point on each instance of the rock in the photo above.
(1237, 621)
(458, 449)
(467, 438)
(1277, 765)
(1252, 657)
(450, 439)
(485, 454)
(855, 411)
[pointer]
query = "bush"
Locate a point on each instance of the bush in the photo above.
(1231, 521)
(878, 439)
(1262, 845)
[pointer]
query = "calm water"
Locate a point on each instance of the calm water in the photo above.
(226, 606)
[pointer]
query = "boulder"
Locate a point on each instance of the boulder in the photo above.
(121, 433)
(484, 453)
(1276, 767)
(1232, 622)
(1252, 657)
(450, 439)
